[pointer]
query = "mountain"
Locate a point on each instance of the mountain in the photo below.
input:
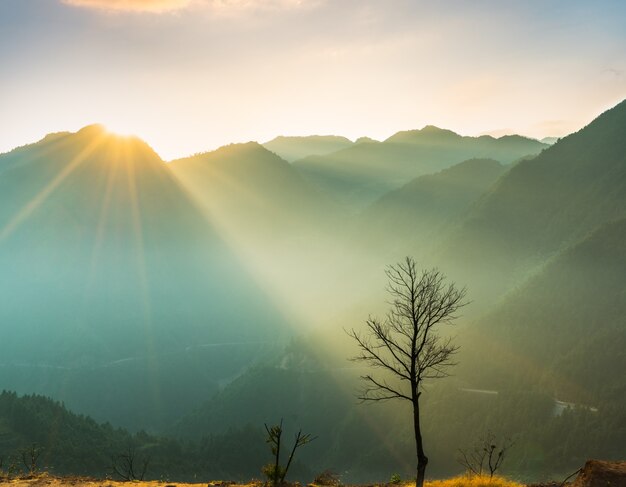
(358, 175)
(293, 148)
(277, 222)
(254, 189)
(411, 219)
(540, 207)
(117, 294)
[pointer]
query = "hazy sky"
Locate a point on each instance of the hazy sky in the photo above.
(190, 75)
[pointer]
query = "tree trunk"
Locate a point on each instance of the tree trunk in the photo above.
(277, 464)
(422, 459)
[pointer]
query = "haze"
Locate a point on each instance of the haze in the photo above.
(192, 75)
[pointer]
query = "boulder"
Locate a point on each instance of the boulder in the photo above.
(598, 473)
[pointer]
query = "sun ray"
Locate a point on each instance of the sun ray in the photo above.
(43, 195)
(111, 170)
(132, 166)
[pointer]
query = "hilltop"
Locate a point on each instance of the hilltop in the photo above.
(293, 148)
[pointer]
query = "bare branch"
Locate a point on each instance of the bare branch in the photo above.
(379, 391)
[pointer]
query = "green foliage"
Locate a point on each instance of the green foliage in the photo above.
(272, 473)
(395, 479)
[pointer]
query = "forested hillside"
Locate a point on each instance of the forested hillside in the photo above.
(412, 219)
(563, 330)
(68, 444)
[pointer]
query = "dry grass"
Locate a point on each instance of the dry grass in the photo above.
(474, 481)
(50, 481)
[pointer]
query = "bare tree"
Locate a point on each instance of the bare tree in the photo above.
(30, 458)
(487, 454)
(405, 345)
(128, 467)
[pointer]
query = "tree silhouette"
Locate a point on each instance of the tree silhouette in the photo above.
(405, 344)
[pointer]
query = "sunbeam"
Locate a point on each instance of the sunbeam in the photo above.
(53, 185)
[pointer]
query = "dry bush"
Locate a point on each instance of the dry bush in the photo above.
(327, 478)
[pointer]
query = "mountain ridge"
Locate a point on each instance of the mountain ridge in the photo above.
(356, 176)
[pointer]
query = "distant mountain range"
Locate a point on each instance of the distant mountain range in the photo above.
(358, 175)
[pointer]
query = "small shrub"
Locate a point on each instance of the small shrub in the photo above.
(395, 479)
(327, 478)
(12, 468)
(273, 474)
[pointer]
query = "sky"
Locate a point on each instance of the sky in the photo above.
(191, 75)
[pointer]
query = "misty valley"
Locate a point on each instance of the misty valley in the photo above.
(174, 310)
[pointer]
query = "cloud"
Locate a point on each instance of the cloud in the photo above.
(160, 6)
(156, 6)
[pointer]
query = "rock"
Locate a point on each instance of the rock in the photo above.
(598, 473)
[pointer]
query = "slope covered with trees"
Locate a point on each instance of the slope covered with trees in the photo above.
(65, 443)
(541, 206)
(412, 219)
(563, 330)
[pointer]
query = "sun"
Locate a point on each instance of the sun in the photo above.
(119, 130)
